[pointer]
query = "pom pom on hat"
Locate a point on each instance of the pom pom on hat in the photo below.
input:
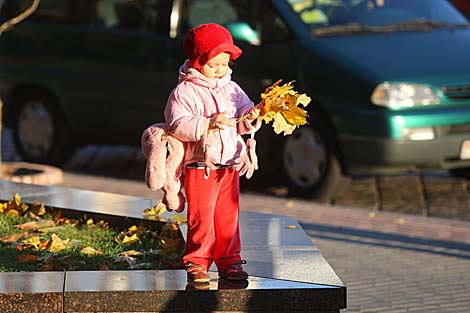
(205, 41)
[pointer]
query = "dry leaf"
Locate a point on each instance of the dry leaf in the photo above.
(13, 212)
(158, 209)
(27, 258)
(90, 251)
(32, 241)
(124, 260)
(46, 267)
(130, 240)
(292, 227)
(281, 104)
(133, 228)
(56, 244)
(47, 258)
(13, 237)
(17, 199)
(178, 219)
(400, 221)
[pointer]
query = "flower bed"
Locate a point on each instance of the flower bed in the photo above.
(38, 238)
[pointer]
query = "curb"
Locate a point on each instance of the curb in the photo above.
(30, 173)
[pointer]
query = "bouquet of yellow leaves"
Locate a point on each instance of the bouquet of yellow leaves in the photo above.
(281, 105)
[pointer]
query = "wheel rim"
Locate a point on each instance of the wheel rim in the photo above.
(305, 157)
(35, 128)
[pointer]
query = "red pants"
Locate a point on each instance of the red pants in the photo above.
(213, 211)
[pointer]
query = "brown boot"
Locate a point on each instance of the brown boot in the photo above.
(235, 272)
(196, 273)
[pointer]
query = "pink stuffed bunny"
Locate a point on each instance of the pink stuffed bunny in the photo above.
(164, 154)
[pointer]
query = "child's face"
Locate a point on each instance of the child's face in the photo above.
(217, 66)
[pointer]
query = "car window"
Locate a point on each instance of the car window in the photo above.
(127, 15)
(325, 13)
(273, 26)
(196, 12)
(257, 19)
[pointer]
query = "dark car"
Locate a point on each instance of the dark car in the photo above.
(389, 79)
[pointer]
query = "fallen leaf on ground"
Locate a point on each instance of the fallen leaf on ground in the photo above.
(178, 219)
(158, 209)
(32, 241)
(90, 251)
(27, 258)
(292, 227)
(56, 244)
(130, 240)
(13, 237)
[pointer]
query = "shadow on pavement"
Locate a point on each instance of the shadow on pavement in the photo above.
(392, 241)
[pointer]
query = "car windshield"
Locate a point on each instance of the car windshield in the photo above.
(341, 17)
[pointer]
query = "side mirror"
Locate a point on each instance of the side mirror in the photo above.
(243, 32)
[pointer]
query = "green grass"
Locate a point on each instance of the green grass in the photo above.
(155, 250)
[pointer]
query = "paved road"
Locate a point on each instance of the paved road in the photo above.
(390, 261)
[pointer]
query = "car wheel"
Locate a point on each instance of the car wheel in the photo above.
(311, 166)
(39, 129)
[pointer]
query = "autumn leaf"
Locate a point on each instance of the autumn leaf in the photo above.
(158, 209)
(90, 251)
(178, 219)
(35, 225)
(133, 228)
(46, 267)
(13, 212)
(17, 199)
(32, 241)
(280, 104)
(27, 258)
(13, 237)
(124, 260)
(56, 244)
(47, 258)
(128, 240)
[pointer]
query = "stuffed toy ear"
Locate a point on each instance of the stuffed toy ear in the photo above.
(173, 197)
(154, 148)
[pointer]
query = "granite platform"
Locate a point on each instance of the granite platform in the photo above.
(287, 272)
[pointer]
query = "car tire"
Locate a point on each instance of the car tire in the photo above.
(311, 164)
(39, 129)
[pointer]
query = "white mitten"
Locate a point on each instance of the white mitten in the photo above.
(248, 162)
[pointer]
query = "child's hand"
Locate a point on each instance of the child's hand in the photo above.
(253, 113)
(220, 121)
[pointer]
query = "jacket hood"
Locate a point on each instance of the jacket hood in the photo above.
(187, 73)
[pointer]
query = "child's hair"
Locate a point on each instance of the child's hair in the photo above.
(205, 41)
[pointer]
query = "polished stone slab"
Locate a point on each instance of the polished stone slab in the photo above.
(277, 247)
(77, 199)
(31, 292)
(287, 272)
(138, 291)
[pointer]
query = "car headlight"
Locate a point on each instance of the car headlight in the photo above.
(403, 95)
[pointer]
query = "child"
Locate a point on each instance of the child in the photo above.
(201, 112)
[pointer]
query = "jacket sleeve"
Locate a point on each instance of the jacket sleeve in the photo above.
(244, 105)
(184, 117)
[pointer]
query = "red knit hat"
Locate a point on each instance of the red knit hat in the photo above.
(205, 41)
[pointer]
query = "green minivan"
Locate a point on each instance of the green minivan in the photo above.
(389, 79)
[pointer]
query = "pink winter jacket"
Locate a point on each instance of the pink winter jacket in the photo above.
(189, 108)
